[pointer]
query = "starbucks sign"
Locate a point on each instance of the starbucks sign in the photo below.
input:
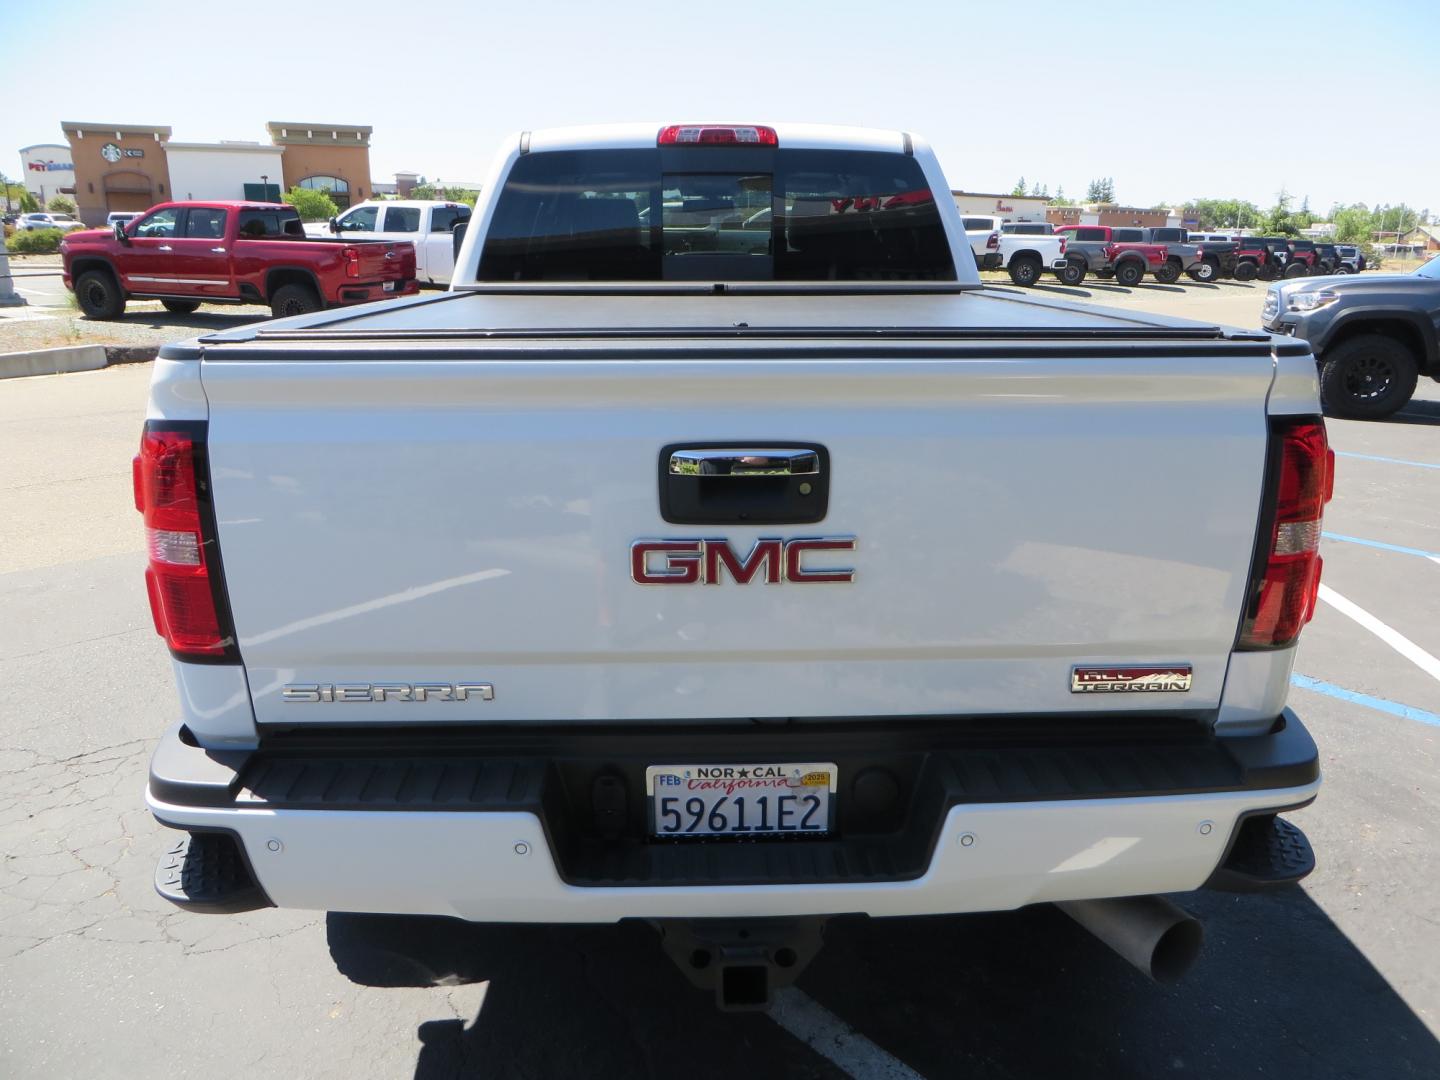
(113, 153)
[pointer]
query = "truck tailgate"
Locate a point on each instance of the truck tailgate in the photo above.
(386, 261)
(464, 512)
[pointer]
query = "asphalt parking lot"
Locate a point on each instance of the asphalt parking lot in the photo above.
(100, 978)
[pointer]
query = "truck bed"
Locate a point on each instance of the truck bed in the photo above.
(482, 312)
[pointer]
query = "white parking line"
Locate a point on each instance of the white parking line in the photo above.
(830, 1037)
(1392, 637)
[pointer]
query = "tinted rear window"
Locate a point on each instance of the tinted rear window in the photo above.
(710, 214)
(1127, 236)
(270, 224)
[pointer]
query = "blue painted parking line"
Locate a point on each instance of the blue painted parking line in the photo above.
(1381, 545)
(1394, 708)
(1387, 460)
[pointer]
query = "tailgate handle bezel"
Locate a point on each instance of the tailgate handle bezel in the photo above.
(760, 462)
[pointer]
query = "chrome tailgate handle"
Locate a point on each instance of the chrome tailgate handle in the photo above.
(745, 461)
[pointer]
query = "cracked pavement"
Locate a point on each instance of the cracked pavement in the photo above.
(101, 978)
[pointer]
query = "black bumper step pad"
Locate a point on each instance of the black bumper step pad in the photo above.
(898, 782)
(1266, 852)
(208, 872)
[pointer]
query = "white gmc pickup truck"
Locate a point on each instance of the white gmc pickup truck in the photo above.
(719, 553)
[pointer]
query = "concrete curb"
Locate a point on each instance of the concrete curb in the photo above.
(72, 358)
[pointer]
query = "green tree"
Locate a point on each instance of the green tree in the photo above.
(28, 203)
(1222, 214)
(61, 205)
(311, 205)
(1059, 199)
(1019, 188)
(1101, 190)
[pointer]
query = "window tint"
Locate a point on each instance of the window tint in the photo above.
(1089, 234)
(796, 215)
(269, 224)
(361, 219)
(974, 224)
(1127, 236)
(444, 218)
(205, 223)
(399, 218)
(160, 223)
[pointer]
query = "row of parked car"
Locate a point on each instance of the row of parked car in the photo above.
(1029, 249)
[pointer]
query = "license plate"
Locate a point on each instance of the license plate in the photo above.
(388, 286)
(741, 801)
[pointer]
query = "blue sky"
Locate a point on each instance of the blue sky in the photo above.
(987, 84)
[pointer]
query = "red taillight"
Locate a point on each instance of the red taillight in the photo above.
(1062, 245)
(717, 135)
(994, 241)
(1282, 600)
(352, 261)
(167, 475)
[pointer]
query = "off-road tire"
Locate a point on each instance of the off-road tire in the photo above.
(99, 295)
(1169, 273)
(180, 307)
(1204, 272)
(1295, 270)
(1368, 377)
(1072, 273)
(1246, 271)
(1025, 270)
(1129, 272)
(293, 299)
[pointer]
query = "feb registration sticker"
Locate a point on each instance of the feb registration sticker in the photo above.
(746, 801)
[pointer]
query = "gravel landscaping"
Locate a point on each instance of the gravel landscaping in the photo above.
(145, 323)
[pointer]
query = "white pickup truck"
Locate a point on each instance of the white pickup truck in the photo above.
(1026, 257)
(428, 224)
(732, 570)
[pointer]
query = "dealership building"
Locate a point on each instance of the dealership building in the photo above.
(134, 166)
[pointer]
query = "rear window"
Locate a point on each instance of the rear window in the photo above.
(1127, 236)
(1026, 228)
(270, 225)
(707, 214)
(1089, 234)
(444, 218)
(975, 224)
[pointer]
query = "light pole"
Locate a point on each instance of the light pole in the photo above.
(264, 188)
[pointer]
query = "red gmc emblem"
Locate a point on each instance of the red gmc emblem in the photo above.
(772, 560)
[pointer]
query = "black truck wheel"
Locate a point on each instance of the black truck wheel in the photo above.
(1025, 270)
(1129, 272)
(1246, 271)
(180, 307)
(1367, 378)
(294, 300)
(1206, 271)
(1072, 273)
(1169, 273)
(1295, 270)
(99, 295)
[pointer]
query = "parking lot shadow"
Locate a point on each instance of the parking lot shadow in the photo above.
(1418, 411)
(1279, 991)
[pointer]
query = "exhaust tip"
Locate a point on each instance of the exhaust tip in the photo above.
(1150, 932)
(1176, 951)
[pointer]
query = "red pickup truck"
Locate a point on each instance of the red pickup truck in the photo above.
(185, 254)
(1094, 247)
